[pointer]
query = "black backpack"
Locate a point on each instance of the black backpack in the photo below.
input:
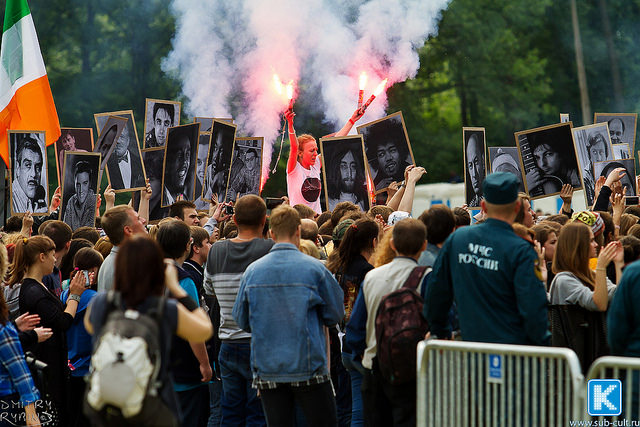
(123, 383)
(399, 327)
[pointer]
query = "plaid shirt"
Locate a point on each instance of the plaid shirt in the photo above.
(270, 385)
(14, 373)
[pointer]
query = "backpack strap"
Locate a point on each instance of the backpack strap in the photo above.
(415, 277)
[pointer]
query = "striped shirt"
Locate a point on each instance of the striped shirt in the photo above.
(14, 373)
(226, 263)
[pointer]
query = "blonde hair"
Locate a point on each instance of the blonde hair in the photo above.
(572, 253)
(309, 248)
(284, 221)
(303, 139)
(384, 253)
(26, 255)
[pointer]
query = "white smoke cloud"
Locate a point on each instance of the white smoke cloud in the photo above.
(225, 53)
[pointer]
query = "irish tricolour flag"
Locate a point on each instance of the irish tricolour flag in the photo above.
(26, 102)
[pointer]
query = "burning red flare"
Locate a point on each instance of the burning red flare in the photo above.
(290, 94)
(376, 92)
(277, 84)
(362, 84)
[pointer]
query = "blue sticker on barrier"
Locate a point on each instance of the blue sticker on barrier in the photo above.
(604, 397)
(496, 373)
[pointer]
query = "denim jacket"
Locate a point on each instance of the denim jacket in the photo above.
(284, 300)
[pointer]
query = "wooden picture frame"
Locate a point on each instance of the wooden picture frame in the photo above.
(219, 162)
(206, 123)
(204, 139)
(236, 173)
(80, 138)
(627, 119)
(36, 193)
(153, 160)
(107, 138)
(506, 159)
(333, 151)
(150, 139)
(585, 137)
(73, 158)
(558, 140)
(472, 196)
(175, 135)
(389, 130)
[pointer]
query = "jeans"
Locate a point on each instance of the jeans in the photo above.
(240, 403)
(215, 411)
(355, 370)
(316, 401)
(194, 404)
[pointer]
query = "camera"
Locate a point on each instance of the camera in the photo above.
(273, 202)
(631, 200)
(228, 209)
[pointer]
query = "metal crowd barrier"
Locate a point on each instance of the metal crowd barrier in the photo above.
(625, 369)
(462, 383)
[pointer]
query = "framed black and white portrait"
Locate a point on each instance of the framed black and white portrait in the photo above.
(506, 159)
(564, 118)
(344, 171)
(216, 173)
(388, 150)
(628, 181)
(159, 116)
(548, 159)
(592, 145)
(125, 170)
(204, 144)
(206, 123)
(621, 151)
(79, 189)
(153, 160)
(475, 164)
(246, 168)
(107, 138)
(29, 181)
(72, 139)
(179, 167)
(622, 127)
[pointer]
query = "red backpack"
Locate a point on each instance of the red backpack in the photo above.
(399, 328)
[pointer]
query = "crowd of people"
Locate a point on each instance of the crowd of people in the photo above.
(251, 317)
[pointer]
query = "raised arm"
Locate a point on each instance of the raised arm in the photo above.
(293, 142)
(352, 121)
(406, 204)
(145, 196)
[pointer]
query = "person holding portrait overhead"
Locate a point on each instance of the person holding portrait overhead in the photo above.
(597, 151)
(303, 165)
(28, 194)
(123, 164)
(162, 120)
(177, 167)
(346, 179)
(81, 207)
(247, 179)
(387, 152)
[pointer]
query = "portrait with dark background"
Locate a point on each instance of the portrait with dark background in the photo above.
(344, 171)
(548, 159)
(506, 159)
(204, 145)
(219, 162)
(475, 165)
(629, 178)
(79, 189)
(388, 150)
(179, 168)
(107, 138)
(153, 159)
(246, 168)
(159, 116)
(29, 173)
(72, 139)
(592, 145)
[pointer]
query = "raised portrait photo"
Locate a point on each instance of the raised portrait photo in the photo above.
(344, 171)
(72, 139)
(386, 143)
(179, 168)
(206, 123)
(506, 159)
(622, 126)
(592, 145)
(79, 189)
(153, 159)
(621, 151)
(204, 143)
(29, 172)
(246, 167)
(475, 164)
(107, 137)
(219, 162)
(548, 159)
(628, 181)
(159, 116)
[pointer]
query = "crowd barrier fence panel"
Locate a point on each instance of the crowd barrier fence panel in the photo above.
(462, 383)
(625, 369)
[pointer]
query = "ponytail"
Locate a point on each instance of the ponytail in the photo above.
(26, 254)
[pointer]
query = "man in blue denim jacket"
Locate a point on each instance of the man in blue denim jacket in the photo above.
(286, 299)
